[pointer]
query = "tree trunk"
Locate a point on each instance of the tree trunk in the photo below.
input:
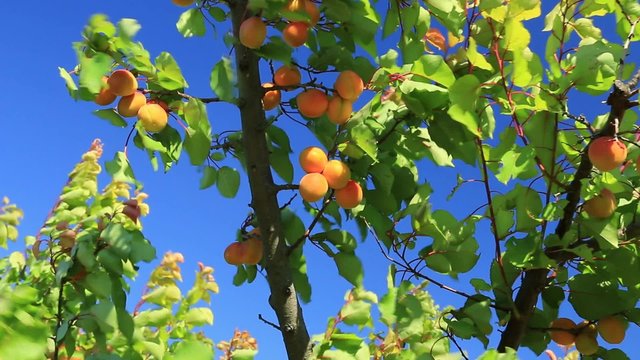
(283, 299)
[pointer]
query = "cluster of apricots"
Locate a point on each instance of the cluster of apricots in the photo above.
(606, 153)
(246, 252)
(565, 332)
(323, 174)
(151, 113)
(314, 103)
(253, 30)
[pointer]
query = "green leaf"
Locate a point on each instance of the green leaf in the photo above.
(281, 163)
(463, 95)
(191, 23)
(222, 80)
(93, 69)
(357, 313)
(243, 354)
(111, 116)
(228, 181)
(589, 291)
(198, 139)
(209, 176)
(193, 350)
(153, 317)
(120, 169)
(169, 74)
(99, 283)
(199, 316)
(365, 139)
(349, 267)
(105, 315)
(433, 67)
(120, 239)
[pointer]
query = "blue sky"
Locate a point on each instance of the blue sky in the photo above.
(44, 132)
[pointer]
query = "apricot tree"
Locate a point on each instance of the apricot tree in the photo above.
(381, 87)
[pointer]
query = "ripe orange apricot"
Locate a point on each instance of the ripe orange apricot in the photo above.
(337, 173)
(313, 187)
(129, 105)
(234, 254)
(295, 34)
(122, 82)
(349, 196)
(612, 329)
(287, 76)
(105, 96)
(161, 103)
(306, 6)
(183, 2)
(607, 153)
(563, 337)
(296, 5)
(602, 205)
(312, 103)
(252, 32)
(339, 110)
(349, 85)
(313, 159)
(312, 10)
(153, 117)
(271, 98)
(586, 343)
(253, 250)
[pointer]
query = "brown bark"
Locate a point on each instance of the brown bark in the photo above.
(283, 299)
(535, 280)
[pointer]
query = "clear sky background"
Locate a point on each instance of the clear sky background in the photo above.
(43, 132)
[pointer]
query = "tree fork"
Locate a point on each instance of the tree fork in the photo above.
(535, 280)
(283, 299)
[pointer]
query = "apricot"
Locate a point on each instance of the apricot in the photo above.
(312, 10)
(253, 250)
(183, 2)
(339, 110)
(129, 105)
(287, 75)
(607, 153)
(337, 173)
(586, 343)
(612, 329)
(105, 96)
(349, 196)
(252, 32)
(234, 254)
(313, 187)
(295, 33)
(313, 159)
(349, 85)
(159, 102)
(122, 83)
(305, 6)
(153, 117)
(565, 336)
(271, 98)
(312, 103)
(602, 205)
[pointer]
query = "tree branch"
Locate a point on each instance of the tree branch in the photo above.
(283, 299)
(535, 280)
